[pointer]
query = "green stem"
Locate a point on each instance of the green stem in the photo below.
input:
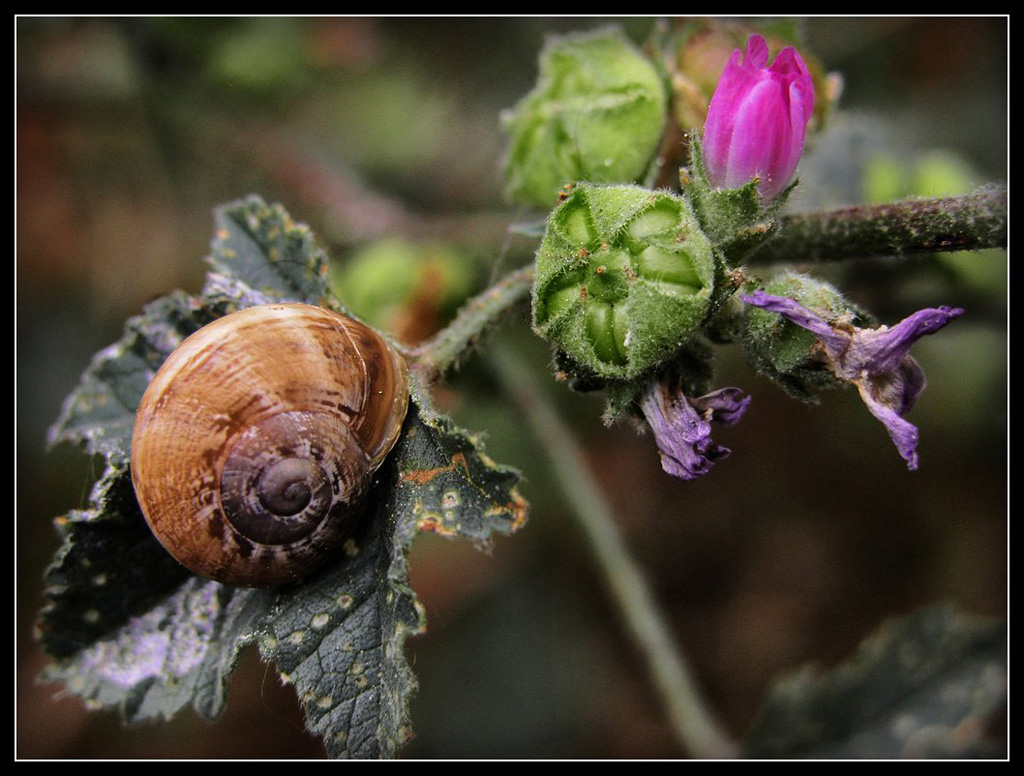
(441, 352)
(695, 726)
(971, 222)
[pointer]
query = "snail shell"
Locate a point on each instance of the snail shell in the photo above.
(255, 443)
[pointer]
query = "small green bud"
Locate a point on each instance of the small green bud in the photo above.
(408, 289)
(783, 351)
(597, 114)
(624, 278)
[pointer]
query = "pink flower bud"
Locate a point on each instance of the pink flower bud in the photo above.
(757, 120)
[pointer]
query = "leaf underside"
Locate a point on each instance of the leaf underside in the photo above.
(148, 637)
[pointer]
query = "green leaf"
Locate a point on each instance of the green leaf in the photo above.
(99, 413)
(130, 628)
(353, 619)
(261, 247)
(930, 686)
(180, 652)
(448, 485)
(92, 590)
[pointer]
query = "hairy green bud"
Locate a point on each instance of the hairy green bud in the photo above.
(624, 277)
(597, 114)
(783, 351)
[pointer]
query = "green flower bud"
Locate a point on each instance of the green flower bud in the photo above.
(785, 352)
(408, 289)
(596, 114)
(624, 278)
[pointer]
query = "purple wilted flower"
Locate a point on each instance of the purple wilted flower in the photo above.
(757, 119)
(877, 361)
(681, 425)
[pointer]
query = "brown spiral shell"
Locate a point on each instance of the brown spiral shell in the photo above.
(255, 443)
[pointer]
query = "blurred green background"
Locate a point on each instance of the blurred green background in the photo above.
(129, 132)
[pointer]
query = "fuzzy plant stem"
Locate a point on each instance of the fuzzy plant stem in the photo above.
(977, 220)
(693, 722)
(971, 222)
(438, 354)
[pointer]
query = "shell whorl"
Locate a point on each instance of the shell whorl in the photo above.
(255, 443)
(284, 475)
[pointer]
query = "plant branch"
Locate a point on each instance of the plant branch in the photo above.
(693, 722)
(444, 349)
(971, 222)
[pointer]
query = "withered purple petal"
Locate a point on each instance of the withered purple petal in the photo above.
(725, 405)
(799, 315)
(877, 361)
(883, 349)
(903, 433)
(681, 426)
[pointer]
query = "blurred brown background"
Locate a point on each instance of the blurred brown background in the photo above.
(129, 131)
